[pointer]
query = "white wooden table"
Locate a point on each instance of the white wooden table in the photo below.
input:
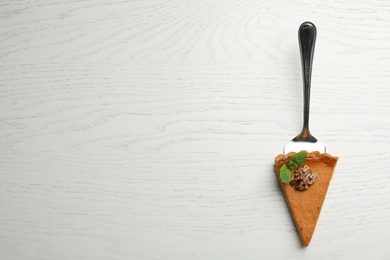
(148, 129)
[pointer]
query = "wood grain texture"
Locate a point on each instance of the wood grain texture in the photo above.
(148, 129)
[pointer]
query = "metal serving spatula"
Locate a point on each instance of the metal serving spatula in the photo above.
(305, 141)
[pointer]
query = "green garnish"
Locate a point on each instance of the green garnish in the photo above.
(285, 174)
(296, 160)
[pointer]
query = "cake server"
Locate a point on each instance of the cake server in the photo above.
(305, 140)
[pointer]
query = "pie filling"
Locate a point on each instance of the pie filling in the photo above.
(305, 193)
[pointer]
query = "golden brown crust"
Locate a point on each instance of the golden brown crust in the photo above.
(311, 155)
(305, 207)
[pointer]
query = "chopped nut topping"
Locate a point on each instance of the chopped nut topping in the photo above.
(303, 178)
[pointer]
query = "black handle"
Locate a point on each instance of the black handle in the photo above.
(307, 38)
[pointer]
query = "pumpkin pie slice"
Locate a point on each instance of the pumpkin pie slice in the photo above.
(305, 193)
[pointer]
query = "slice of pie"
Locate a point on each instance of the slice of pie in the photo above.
(306, 192)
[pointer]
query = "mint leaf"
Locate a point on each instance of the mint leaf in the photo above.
(285, 174)
(296, 160)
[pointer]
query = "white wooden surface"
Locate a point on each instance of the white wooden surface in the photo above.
(148, 129)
